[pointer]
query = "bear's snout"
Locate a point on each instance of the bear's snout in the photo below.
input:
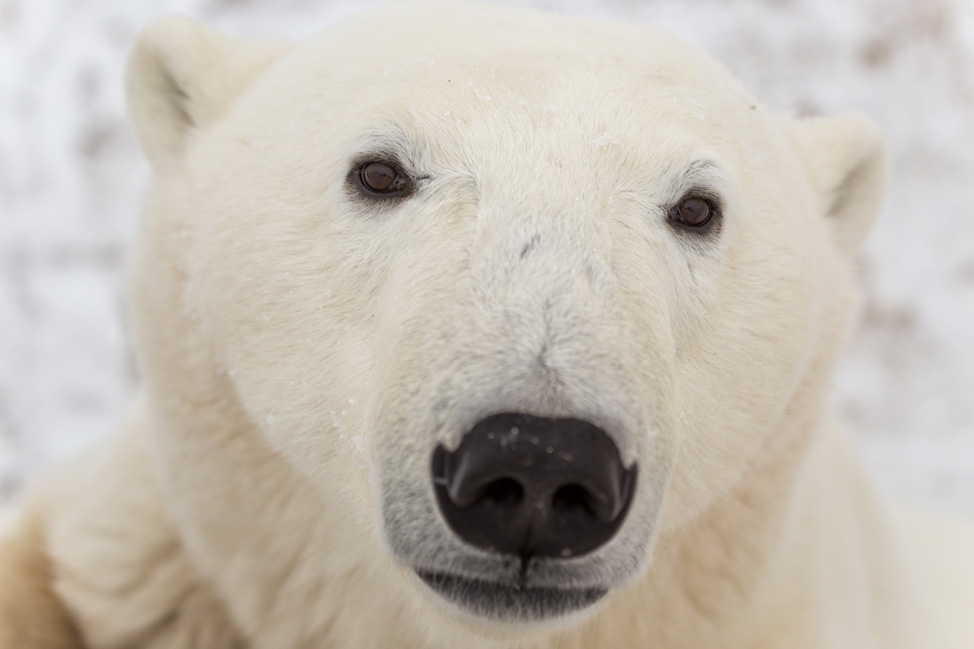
(533, 486)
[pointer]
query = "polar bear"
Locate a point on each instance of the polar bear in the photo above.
(474, 326)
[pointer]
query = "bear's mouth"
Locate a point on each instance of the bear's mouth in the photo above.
(506, 603)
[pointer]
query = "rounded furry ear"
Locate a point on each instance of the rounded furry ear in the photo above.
(182, 76)
(845, 158)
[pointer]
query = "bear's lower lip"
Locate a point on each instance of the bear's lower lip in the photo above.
(503, 603)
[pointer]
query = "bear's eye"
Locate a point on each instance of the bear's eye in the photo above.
(693, 213)
(381, 180)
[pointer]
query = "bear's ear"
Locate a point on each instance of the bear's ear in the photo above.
(182, 76)
(845, 158)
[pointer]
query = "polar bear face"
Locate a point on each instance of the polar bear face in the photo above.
(516, 293)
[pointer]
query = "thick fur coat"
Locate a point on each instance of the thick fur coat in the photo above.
(306, 342)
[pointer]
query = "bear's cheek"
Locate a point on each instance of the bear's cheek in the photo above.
(750, 362)
(286, 304)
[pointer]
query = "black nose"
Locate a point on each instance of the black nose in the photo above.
(533, 486)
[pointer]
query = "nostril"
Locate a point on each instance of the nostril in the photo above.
(505, 491)
(573, 497)
(578, 498)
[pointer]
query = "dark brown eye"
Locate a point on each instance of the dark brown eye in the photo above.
(692, 212)
(383, 180)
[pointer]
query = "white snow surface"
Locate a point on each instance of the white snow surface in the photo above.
(71, 180)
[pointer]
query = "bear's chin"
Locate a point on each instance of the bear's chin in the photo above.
(496, 602)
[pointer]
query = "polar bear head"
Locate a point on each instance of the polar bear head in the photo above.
(512, 294)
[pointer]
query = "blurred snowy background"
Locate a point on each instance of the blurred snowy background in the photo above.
(71, 179)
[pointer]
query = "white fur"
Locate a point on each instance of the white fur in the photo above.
(304, 350)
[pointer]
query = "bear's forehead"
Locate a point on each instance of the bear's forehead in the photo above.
(458, 56)
(477, 88)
